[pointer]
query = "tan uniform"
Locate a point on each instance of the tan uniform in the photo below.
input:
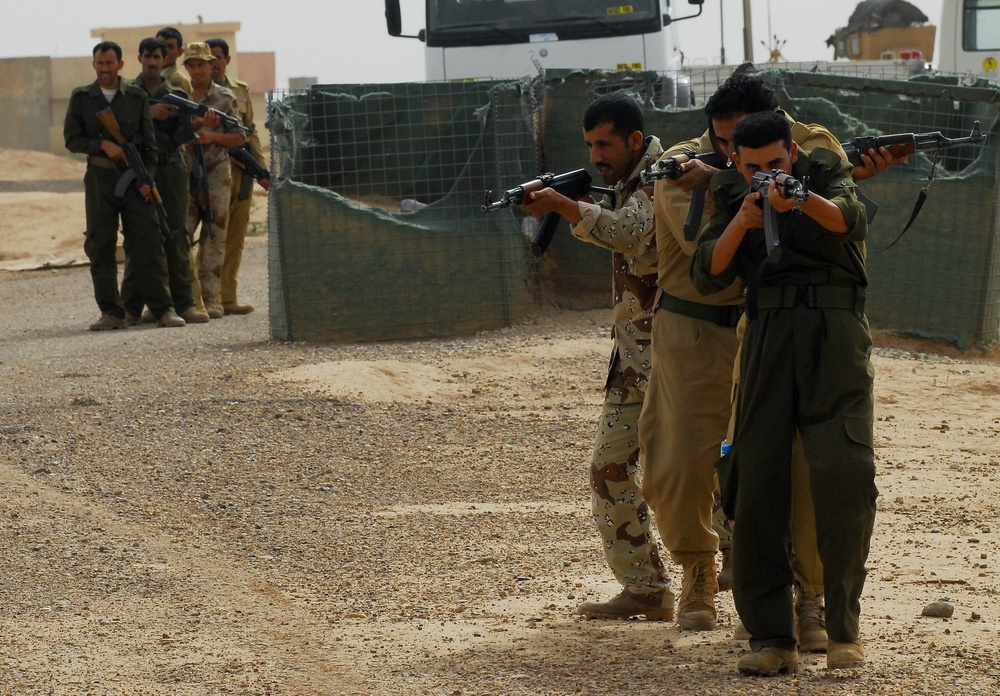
(239, 211)
(210, 251)
(177, 78)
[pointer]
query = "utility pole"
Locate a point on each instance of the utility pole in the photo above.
(722, 35)
(747, 33)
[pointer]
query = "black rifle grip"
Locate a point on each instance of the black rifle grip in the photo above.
(544, 235)
(692, 223)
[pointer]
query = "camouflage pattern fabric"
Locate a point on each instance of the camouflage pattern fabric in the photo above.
(619, 510)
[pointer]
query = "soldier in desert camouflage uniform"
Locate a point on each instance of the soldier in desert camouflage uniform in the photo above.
(216, 142)
(613, 132)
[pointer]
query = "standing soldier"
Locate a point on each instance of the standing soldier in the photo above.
(174, 76)
(211, 174)
(239, 210)
(613, 132)
(85, 134)
(172, 182)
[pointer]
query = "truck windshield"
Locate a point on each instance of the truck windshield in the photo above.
(487, 22)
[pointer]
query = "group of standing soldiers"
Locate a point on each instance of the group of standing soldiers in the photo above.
(179, 278)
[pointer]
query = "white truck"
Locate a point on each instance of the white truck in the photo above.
(969, 38)
(468, 39)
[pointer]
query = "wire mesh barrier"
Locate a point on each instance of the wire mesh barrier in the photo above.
(377, 230)
(376, 225)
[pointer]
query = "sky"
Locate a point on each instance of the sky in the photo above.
(345, 41)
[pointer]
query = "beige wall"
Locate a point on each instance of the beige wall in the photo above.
(34, 92)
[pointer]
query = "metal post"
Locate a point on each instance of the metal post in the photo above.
(747, 33)
(722, 36)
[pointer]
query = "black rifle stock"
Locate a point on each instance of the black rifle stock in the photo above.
(202, 193)
(572, 184)
(136, 171)
(250, 166)
(197, 109)
(788, 187)
(903, 144)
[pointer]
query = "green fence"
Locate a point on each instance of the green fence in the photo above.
(377, 232)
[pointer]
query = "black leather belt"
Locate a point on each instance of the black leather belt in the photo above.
(102, 162)
(723, 315)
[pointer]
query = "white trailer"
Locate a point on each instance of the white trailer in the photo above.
(468, 39)
(969, 38)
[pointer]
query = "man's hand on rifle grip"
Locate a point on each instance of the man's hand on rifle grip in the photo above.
(873, 163)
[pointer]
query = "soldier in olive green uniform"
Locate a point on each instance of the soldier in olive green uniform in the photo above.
(804, 367)
(215, 142)
(84, 134)
(613, 130)
(172, 182)
(239, 210)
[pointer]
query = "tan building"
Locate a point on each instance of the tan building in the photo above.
(885, 30)
(36, 90)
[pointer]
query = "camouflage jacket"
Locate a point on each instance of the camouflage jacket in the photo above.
(627, 230)
(220, 99)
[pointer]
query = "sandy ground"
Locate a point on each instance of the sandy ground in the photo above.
(206, 511)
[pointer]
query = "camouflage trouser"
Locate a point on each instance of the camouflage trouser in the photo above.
(620, 512)
(208, 254)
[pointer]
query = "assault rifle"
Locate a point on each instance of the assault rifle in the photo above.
(670, 168)
(789, 187)
(251, 167)
(202, 194)
(136, 171)
(572, 184)
(197, 109)
(902, 144)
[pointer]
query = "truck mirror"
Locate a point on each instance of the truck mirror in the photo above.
(393, 22)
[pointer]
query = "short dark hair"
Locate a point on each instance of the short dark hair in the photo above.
(152, 45)
(171, 33)
(741, 94)
(762, 128)
(108, 46)
(219, 43)
(619, 110)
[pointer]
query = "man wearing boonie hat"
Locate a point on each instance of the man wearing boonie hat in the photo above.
(209, 134)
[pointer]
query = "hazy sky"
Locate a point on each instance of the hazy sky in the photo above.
(345, 40)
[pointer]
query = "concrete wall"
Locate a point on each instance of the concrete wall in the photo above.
(870, 45)
(25, 104)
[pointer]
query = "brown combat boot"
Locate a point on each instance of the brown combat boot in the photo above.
(769, 662)
(236, 308)
(810, 619)
(844, 655)
(214, 309)
(169, 319)
(193, 315)
(696, 606)
(108, 322)
(655, 606)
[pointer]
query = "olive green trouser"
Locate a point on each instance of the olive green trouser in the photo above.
(806, 562)
(804, 369)
(143, 242)
(172, 183)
